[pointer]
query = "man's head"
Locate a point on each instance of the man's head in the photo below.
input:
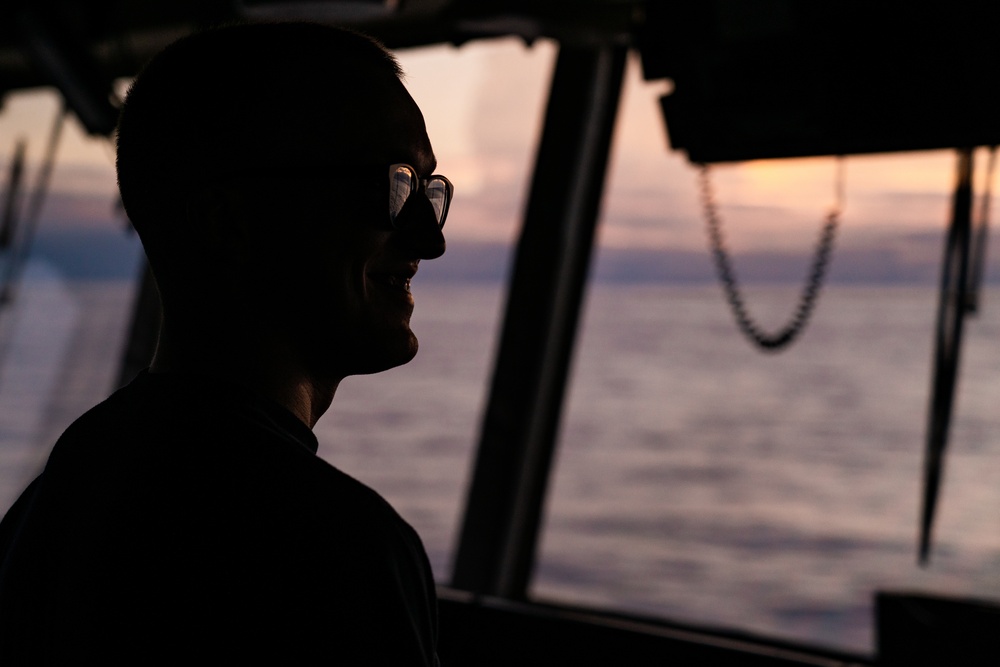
(254, 162)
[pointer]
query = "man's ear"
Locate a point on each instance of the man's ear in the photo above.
(218, 217)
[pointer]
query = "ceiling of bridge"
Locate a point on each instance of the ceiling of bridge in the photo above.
(81, 46)
(772, 78)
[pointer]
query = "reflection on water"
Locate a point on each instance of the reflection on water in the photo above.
(703, 481)
(696, 479)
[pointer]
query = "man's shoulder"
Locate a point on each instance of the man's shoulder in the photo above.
(174, 446)
(171, 418)
(345, 499)
(161, 508)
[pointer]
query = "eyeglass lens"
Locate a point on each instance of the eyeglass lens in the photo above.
(403, 181)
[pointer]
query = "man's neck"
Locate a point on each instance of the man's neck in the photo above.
(262, 364)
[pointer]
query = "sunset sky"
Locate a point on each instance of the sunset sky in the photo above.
(483, 104)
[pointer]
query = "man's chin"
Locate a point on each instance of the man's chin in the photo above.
(385, 357)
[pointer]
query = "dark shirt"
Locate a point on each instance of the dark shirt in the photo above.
(182, 519)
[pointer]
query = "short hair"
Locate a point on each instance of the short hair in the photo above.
(204, 104)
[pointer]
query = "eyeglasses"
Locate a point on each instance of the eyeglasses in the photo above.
(404, 182)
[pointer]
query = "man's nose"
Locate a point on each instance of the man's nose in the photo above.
(419, 228)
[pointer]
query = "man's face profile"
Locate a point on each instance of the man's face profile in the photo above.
(342, 284)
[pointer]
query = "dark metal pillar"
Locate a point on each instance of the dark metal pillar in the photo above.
(499, 534)
(948, 344)
(12, 197)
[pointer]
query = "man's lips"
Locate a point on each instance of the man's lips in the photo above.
(397, 277)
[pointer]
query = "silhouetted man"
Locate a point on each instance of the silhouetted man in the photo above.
(280, 178)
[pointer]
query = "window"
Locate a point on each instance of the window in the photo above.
(704, 482)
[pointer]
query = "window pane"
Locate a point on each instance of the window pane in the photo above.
(62, 334)
(705, 482)
(410, 433)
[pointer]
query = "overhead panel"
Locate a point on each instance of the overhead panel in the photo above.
(781, 78)
(340, 10)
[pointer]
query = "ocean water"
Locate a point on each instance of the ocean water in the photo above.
(696, 479)
(702, 480)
